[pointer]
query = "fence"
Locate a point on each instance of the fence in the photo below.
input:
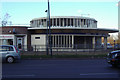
(59, 47)
(65, 49)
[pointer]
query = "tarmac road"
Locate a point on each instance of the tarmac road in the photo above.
(72, 68)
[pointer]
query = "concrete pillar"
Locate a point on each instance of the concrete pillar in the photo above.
(77, 22)
(40, 23)
(98, 42)
(14, 40)
(80, 22)
(56, 22)
(74, 22)
(69, 41)
(91, 23)
(72, 41)
(66, 22)
(58, 41)
(29, 41)
(85, 22)
(88, 23)
(70, 22)
(37, 23)
(54, 40)
(59, 22)
(93, 42)
(96, 25)
(105, 43)
(61, 42)
(64, 41)
(63, 22)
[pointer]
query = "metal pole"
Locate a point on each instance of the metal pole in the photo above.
(50, 45)
(47, 52)
(114, 44)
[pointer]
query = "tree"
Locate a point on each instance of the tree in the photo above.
(5, 21)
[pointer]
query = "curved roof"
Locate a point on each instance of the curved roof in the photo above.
(65, 17)
(77, 28)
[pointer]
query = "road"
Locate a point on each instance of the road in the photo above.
(95, 68)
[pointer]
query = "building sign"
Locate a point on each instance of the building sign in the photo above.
(6, 36)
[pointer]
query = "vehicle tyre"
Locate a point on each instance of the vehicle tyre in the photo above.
(114, 65)
(10, 59)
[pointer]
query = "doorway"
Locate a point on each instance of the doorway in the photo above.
(19, 42)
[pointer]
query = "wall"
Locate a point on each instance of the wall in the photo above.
(13, 30)
(25, 40)
(41, 41)
(4, 39)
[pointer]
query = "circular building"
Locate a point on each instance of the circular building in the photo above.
(68, 32)
(66, 21)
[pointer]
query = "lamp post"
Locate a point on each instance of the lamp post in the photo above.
(50, 44)
(114, 42)
(47, 52)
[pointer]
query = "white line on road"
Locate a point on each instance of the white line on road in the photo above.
(98, 74)
(18, 75)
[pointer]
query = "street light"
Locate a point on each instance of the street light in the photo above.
(48, 24)
(114, 42)
(47, 33)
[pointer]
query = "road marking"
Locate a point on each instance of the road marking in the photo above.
(98, 74)
(18, 75)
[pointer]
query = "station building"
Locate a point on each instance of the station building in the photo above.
(66, 32)
(13, 35)
(69, 32)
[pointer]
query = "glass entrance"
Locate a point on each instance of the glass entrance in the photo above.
(19, 43)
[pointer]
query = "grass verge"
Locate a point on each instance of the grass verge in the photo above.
(61, 56)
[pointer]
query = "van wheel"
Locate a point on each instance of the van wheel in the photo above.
(10, 59)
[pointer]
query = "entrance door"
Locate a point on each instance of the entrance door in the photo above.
(79, 42)
(19, 42)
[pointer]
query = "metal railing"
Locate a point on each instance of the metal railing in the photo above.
(77, 47)
(80, 49)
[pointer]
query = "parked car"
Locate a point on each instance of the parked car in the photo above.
(9, 53)
(117, 46)
(109, 46)
(113, 58)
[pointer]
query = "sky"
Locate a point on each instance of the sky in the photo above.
(22, 12)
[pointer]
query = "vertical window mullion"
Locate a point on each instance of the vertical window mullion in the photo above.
(61, 41)
(55, 41)
(69, 41)
(64, 41)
